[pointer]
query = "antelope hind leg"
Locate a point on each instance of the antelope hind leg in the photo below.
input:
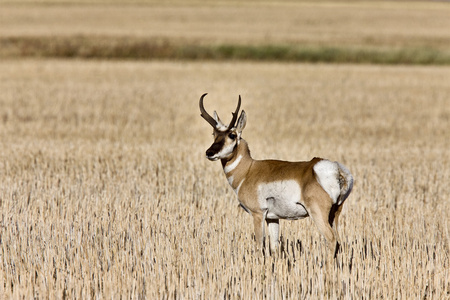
(333, 220)
(320, 217)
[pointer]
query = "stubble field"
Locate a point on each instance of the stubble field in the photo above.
(105, 191)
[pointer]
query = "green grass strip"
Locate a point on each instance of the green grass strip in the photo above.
(134, 48)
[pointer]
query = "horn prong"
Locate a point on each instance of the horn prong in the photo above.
(235, 114)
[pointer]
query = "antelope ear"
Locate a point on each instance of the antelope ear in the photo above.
(220, 124)
(241, 122)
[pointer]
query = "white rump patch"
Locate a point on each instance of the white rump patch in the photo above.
(328, 177)
(233, 165)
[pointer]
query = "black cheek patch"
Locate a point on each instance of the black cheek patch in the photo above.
(217, 146)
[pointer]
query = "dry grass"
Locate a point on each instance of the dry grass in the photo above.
(105, 191)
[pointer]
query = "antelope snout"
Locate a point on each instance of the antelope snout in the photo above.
(213, 152)
(210, 154)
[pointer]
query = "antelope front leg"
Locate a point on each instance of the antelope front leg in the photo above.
(258, 223)
(273, 225)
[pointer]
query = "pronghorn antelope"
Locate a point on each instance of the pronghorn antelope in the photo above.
(272, 189)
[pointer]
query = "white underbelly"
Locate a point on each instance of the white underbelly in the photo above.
(282, 200)
(278, 209)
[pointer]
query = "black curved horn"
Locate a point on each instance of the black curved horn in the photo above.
(204, 114)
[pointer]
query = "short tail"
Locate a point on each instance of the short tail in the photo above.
(345, 183)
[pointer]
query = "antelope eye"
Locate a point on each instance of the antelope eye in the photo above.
(232, 136)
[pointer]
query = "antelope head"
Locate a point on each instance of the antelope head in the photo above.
(226, 138)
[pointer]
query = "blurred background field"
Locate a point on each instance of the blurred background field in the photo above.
(105, 191)
(308, 31)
